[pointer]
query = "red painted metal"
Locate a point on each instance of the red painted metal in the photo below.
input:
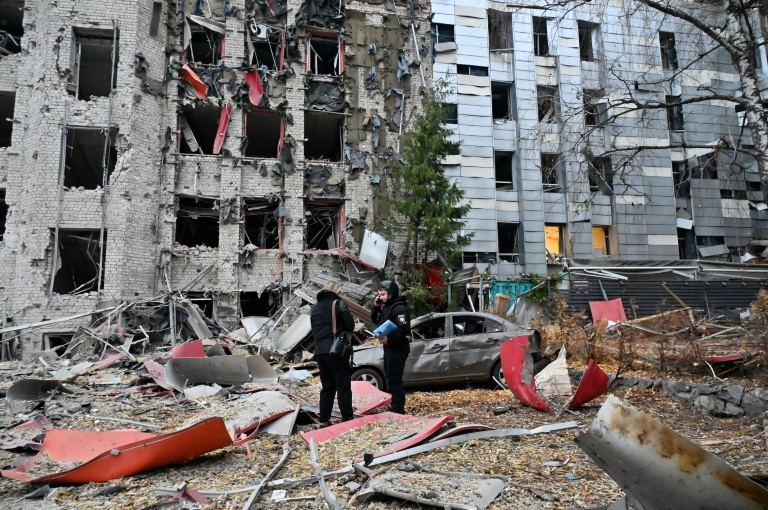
(157, 372)
(193, 349)
(189, 75)
(368, 397)
(426, 427)
(253, 79)
(513, 356)
(612, 310)
(107, 361)
(593, 384)
(461, 429)
(114, 454)
(221, 132)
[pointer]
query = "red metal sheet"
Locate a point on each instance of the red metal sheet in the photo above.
(157, 372)
(189, 75)
(124, 453)
(461, 429)
(426, 427)
(193, 349)
(367, 397)
(612, 310)
(253, 79)
(593, 384)
(221, 132)
(513, 354)
(107, 361)
(8, 442)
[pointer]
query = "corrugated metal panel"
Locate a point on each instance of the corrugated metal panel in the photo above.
(649, 298)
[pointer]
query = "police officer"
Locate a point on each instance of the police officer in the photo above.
(389, 305)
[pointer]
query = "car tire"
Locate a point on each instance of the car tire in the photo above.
(370, 375)
(498, 375)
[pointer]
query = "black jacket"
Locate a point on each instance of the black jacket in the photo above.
(320, 317)
(396, 311)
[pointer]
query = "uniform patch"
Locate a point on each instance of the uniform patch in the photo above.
(401, 319)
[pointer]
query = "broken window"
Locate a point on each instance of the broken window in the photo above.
(264, 46)
(681, 178)
(58, 342)
(471, 70)
(197, 222)
(79, 258)
(587, 33)
(253, 305)
(499, 30)
(508, 242)
(86, 157)
(3, 214)
(736, 194)
(548, 103)
(592, 108)
(94, 67)
(668, 50)
(429, 329)
(198, 126)
(600, 173)
(540, 37)
(451, 112)
(478, 257)
(263, 134)
(204, 301)
(324, 136)
(601, 241)
(261, 223)
(205, 45)
(7, 105)
(503, 163)
(706, 167)
(686, 244)
(550, 173)
(442, 33)
(675, 120)
(325, 54)
(554, 240)
(324, 224)
(710, 241)
(502, 100)
(11, 26)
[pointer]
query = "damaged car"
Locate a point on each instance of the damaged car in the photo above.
(456, 347)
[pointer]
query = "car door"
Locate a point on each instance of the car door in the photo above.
(475, 345)
(430, 352)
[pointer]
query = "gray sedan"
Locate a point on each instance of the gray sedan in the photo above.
(452, 347)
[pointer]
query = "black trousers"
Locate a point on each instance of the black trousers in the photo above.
(394, 367)
(335, 376)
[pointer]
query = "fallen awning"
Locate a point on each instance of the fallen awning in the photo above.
(114, 454)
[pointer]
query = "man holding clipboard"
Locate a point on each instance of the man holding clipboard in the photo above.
(390, 312)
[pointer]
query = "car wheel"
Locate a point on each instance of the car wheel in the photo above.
(369, 375)
(498, 375)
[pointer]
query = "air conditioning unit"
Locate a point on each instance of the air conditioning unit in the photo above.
(258, 31)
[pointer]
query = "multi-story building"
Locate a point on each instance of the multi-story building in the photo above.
(226, 148)
(557, 158)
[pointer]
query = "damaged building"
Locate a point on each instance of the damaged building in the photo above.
(547, 158)
(232, 149)
(223, 148)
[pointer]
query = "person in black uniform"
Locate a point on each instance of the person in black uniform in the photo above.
(335, 372)
(389, 305)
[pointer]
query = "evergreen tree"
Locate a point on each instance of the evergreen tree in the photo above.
(423, 196)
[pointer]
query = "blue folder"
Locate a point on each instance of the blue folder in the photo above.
(385, 329)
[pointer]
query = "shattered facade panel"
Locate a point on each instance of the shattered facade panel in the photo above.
(213, 103)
